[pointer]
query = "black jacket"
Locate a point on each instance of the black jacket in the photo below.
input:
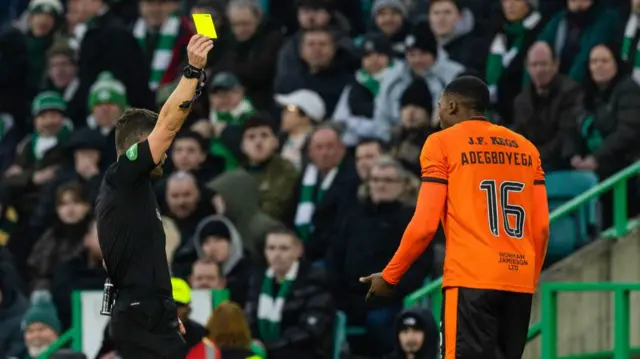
(367, 241)
(430, 343)
(109, 46)
(340, 196)
(307, 317)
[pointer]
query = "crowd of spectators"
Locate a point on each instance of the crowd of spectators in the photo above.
(297, 172)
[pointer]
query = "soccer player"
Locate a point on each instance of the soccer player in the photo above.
(144, 320)
(485, 183)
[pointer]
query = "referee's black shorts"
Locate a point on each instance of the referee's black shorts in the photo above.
(484, 324)
(146, 329)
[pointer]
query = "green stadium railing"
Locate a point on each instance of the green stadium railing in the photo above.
(72, 338)
(547, 328)
(621, 226)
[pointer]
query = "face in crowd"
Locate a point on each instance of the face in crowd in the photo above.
(182, 195)
(187, 155)
(326, 149)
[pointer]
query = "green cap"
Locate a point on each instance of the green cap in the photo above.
(43, 312)
(224, 81)
(107, 89)
(53, 7)
(47, 101)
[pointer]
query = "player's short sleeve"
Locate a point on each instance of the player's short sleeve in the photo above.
(433, 161)
(539, 175)
(135, 164)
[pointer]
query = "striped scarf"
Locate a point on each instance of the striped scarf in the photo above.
(499, 57)
(307, 204)
(629, 33)
(40, 145)
(163, 52)
(270, 304)
(372, 82)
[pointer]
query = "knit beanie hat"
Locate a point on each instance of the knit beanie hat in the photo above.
(107, 89)
(42, 311)
(394, 4)
(53, 7)
(215, 229)
(46, 101)
(61, 47)
(417, 94)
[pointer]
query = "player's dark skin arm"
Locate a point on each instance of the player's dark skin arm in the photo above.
(416, 238)
(172, 116)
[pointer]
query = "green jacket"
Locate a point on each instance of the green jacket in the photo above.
(277, 179)
(603, 29)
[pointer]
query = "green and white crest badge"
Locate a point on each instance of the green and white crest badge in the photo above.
(132, 152)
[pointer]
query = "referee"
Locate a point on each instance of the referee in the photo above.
(144, 321)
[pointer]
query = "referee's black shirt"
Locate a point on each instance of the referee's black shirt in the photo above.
(130, 227)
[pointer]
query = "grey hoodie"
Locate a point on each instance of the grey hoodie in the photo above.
(235, 250)
(387, 108)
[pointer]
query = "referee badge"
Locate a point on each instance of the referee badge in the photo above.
(132, 152)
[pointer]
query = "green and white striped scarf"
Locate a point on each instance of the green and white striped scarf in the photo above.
(40, 145)
(270, 304)
(372, 82)
(629, 33)
(235, 116)
(164, 47)
(499, 57)
(307, 204)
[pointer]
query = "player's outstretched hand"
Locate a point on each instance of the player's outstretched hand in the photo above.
(198, 49)
(379, 287)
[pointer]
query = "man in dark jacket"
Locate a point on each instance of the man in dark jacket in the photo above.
(547, 110)
(289, 310)
(416, 336)
(366, 240)
(327, 186)
(104, 44)
(13, 305)
(321, 66)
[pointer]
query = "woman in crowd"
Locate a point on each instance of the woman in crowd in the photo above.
(607, 138)
(65, 238)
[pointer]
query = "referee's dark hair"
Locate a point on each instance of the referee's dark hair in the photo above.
(132, 126)
(472, 91)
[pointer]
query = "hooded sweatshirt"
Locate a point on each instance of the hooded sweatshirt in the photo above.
(241, 196)
(430, 343)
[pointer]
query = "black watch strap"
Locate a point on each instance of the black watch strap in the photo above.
(191, 72)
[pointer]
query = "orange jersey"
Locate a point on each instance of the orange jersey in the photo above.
(490, 173)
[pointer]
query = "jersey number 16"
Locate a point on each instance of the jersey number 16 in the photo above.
(508, 209)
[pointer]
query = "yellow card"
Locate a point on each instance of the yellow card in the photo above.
(204, 25)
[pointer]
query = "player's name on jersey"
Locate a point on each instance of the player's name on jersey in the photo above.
(496, 158)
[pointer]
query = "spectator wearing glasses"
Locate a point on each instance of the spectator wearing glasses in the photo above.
(367, 238)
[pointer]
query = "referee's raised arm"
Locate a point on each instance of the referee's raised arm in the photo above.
(177, 107)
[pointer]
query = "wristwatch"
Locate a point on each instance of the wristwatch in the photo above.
(191, 72)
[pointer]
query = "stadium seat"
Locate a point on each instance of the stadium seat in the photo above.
(570, 232)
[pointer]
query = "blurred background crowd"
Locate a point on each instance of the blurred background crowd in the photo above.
(297, 172)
